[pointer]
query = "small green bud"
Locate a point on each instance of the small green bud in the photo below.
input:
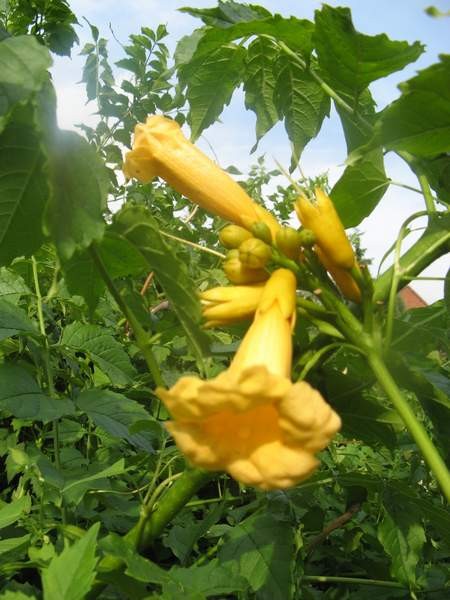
(232, 236)
(261, 231)
(307, 238)
(254, 253)
(288, 242)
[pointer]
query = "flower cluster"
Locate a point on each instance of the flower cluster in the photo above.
(251, 420)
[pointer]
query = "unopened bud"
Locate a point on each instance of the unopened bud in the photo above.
(307, 238)
(288, 242)
(232, 236)
(239, 273)
(261, 231)
(254, 253)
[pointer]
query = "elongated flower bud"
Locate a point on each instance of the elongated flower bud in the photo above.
(321, 217)
(254, 253)
(342, 278)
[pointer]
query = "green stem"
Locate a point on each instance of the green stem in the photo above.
(422, 178)
(192, 244)
(141, 336)
(396, 277)
(351, 580)
(414, 426)
(170, 504)
(433, 243)
(48, 370)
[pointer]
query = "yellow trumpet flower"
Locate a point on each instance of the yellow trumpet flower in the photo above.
(229, 304)
(161, 150)
(322, 219)
(251, 420)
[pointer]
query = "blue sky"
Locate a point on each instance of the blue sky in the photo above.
(233, 138)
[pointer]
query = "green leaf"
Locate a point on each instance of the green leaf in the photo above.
(74, 489)
(261, 550)
(120, 258)
(12, 286)
(138, 226)
(429, 324)
(360, 188)
(198, 583)
(13, 544)
(211, 80)
(402, 537)
(356, 134)
(14, 320)
(21, 396)
(16, 595)
(106, 352)
(23, 188)
(79, 183)
(23, 71)
(82, 278)
(227, 13)
(71, 574)
(183, 537)
(259, 84)
(302, 102)
(347, 383)
(295, 33)
(352, 60)
(419, 121)
(10, 513)
(116, 414)
(137, 566)
(413, 373)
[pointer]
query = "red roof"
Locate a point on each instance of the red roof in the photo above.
(411, 299)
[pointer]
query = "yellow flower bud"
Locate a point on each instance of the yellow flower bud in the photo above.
(240, 274)
(161, 150)
(322, 218)
(307, 238)
(342, 278)
(254, 253)
(262, 231)
(288, 242)
(232, 236)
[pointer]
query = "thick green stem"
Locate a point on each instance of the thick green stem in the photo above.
(433, 243)
(414, 426)
(151, 525)
(141, 336)
(351, 580)
(426, 191)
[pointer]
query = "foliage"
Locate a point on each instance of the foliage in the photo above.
(96, 310)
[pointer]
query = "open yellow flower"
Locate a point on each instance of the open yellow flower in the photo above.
(229, 304)
(251, 420)
(322, 219)
(161, 150)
